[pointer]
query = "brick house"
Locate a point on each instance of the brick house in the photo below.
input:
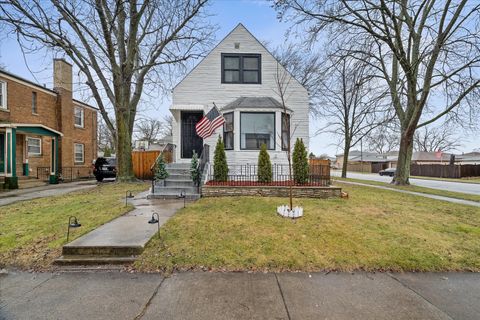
(44, 133)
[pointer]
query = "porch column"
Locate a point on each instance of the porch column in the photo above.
(11, 179)
(54, 161)
(26, 170)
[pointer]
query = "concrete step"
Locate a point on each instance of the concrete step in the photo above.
(176, 176)
(183, 171)
(178, 166)
(175, 190)
(93, 260)
(111, 251)
(173, 196)
(179, 183)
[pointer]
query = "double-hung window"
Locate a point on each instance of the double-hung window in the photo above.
(285, 130)
(257, 128)
(78, 117)
(34, 103)
(79, 153)
(228, 131)
(241, 68)
(3, 95)
(34, 146)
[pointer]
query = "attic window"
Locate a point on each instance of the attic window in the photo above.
(241, 68)
(237, 45)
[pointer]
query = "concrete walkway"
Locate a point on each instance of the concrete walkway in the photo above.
(426, 195)
(121, 239)
(203, 295)
(8, 197)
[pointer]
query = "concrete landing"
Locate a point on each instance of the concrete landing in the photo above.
(121, 239)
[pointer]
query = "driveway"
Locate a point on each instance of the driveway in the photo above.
(239, 295)
(470, 188)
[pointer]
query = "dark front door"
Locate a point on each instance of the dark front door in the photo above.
(190, 140)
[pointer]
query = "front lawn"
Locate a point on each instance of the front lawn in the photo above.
(33, 232)
(371, 230)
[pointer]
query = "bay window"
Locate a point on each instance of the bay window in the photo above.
(228, 131)
(257, 128)
(285, 130)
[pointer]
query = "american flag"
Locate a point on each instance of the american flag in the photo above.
(211, 121)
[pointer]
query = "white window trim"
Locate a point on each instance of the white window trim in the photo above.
(75, 152)
(40, 144)
(82, 117)
(3, 103)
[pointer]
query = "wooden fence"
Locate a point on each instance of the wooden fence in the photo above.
(143, 161)
(445, 171)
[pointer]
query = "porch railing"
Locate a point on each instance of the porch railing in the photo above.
(247, 175)
(65, 173)
(202, 162)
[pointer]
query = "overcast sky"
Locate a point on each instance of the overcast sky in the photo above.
(256, 15)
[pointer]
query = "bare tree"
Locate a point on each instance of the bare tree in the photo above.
(382, 140)
(117, 45)
(430, 139)
(350, 102)
(167, 127)
(106, 141)
(149, 129)
(427, 52)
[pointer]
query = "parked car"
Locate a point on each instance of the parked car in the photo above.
(105, 168)
(388, 172)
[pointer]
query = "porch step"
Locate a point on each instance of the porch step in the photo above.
(171, 195)
(175, 190)
(110, 251)
(178, 166)
(179, 183)
(178, 176)
(69, 260)
(181, 171)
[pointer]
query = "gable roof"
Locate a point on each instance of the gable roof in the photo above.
(239, 25)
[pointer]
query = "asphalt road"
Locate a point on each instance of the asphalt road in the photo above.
(471, 188)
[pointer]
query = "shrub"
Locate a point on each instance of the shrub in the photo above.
(194, 172)
(161, 169)
(264, 171)
(300, 162)
(220, 167)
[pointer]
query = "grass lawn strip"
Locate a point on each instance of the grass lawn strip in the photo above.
(475, 180)
(413, 188)
(33, 232)
(372, 230)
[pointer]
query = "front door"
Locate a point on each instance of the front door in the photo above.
(190, 141)
(2, 153)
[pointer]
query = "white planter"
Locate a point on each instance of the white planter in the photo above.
(285, 212)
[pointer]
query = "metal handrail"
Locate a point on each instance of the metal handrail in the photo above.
(168, 147)
(202, 162)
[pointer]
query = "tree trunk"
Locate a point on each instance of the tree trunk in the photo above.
(402, 174)
(124, 149)
(346, 151)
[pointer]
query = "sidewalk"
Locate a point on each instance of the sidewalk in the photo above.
(8, 197)
(204, 295)
(426, 195)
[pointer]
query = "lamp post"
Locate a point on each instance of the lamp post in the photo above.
(156, 220)
(72, 224)
(128, 195)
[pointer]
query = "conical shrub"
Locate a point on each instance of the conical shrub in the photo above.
(264, 172)
(220, 167)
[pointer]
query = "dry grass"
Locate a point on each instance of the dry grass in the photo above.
(33, 232)
(372, 230)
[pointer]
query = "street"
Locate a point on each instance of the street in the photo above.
(471, 188)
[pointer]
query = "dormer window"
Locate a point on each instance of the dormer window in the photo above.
(241, 68)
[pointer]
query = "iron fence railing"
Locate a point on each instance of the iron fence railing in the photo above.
(247, 175)
(66, 173)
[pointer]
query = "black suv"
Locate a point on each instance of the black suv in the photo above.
(105, 168)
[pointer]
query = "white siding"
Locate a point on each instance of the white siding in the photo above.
(203, 87)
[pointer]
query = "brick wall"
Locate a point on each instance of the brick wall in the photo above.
(271, 191)
(55, 109)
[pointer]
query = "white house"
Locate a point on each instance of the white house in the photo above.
(239, 77)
